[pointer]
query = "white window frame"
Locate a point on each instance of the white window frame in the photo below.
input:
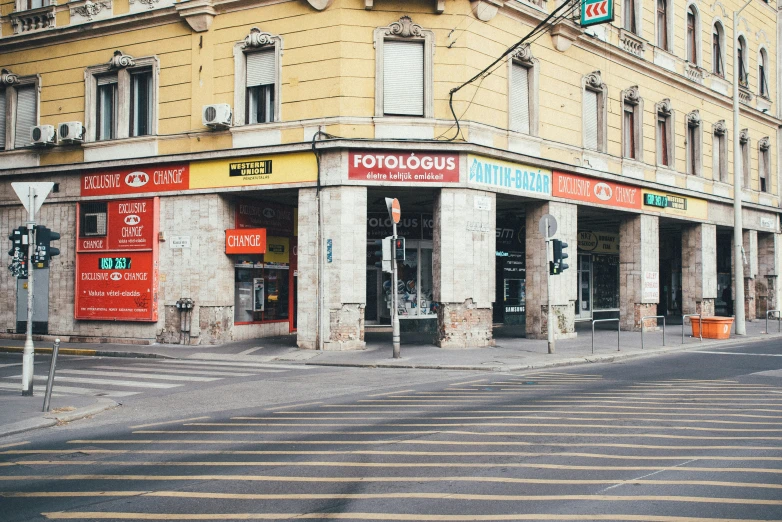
(523, 58)
(764, 165)
(9, 83)
(721, 57)
(744, 47)
(405, 30)
(256, 41)
(698, 36)
(593, 82)
(122, 65)
(633, 103)
(637, 14)
(669, 20)
(719, 151)
(694, 146)
(763, 60)
(663, 110)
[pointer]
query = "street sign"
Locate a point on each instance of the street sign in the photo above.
(547, 225)
(41, 190)
(595, 12)
(394, 209)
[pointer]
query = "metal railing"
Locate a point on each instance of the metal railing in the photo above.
(642, 327)
(618, 330)
(700, 325)
(779, 319)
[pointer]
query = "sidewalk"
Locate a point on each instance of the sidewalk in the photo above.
(511, 353)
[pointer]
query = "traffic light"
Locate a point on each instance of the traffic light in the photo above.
(557, 265)
(384, 254)
(399, 249)
(44, 252)
(19, 251)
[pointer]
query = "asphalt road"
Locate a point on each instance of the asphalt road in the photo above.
(687, 437)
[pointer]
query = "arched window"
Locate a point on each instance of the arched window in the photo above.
(763, 74)
(692, 39)
(718, 50)
(664, 24)
(742, 55)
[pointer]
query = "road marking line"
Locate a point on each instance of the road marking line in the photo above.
(501, 417)
(137, 375)
(389, 393)
(641, 478)
(245, 365)
(166, 422)
(71, 390)
(139, 367)
(293, 406)
(604, 404)
(136, 384)
(739, 353)
(193, 367)
(12, 444)
(250, 350)
(468, 382)
(529, 412)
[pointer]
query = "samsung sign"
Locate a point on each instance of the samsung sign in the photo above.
(488, 172)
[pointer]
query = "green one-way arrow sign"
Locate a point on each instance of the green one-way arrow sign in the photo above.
(595, 12)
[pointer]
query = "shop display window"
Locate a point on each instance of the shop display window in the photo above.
(605, 278)
(261, 290)
(414, 285)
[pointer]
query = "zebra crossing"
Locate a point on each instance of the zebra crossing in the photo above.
(125, 379)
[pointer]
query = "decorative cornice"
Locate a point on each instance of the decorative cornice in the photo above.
(121, 61)
(594, 80)
(405, 28)
(632, 95)
(90, 9)
(149, 3)
(720, 129)
(257, 39)
(764, 144)
(694, 119)
(524, 54)
(664, 107)
(744, 136)
(197, 13)
(7, 78)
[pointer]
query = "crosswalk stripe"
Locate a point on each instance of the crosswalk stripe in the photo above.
(270, 366)
(135, 384)
(69, 390)
(136, 375)
(213, 373)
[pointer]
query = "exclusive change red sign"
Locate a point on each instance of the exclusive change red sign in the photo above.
(409, 167)
(117, 261)
(136, 180)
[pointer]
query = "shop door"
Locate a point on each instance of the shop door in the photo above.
(584, 301)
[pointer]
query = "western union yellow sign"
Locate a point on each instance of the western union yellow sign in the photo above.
(299, 167)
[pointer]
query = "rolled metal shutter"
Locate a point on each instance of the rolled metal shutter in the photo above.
(26, 115)
(106, 80)
(590, 119)
(519, 100)
(403, 78)
(260, 68)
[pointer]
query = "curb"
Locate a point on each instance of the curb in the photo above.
(89, 353)
(47, 421)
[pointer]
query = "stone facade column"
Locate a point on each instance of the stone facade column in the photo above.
(766, 282)
(564, 288)
(464, 263)
(343, 271)
(639, 257)
(750, 242)
(699, 269)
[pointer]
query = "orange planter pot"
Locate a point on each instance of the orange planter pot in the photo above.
(713, 327)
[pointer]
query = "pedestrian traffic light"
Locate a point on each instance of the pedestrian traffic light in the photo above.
(399, 249)
(560, 255)
(44, 252)
(19, 251)
(383, 255)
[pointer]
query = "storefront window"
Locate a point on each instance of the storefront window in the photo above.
(605, 277)
(261, 290)
(414, 285)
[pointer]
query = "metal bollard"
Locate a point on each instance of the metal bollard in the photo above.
(618, 330)
(700, 325)
(642, 327)
(50, 381)
(779, 319)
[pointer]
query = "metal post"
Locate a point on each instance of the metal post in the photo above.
(642, 327)
(738, 275)
(618, 331)
(700, 325)
(550, 299)
(394, 299)
(50, 382)
(779, 319)
(28, 353)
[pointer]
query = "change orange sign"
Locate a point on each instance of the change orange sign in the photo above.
(245, 241)
(603, 192)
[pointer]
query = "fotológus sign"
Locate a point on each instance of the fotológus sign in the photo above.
(603, 192)
(405, 167)
(136, 180)
(245, 241)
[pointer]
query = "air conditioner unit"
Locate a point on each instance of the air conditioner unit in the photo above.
(217, 116)
(70, 132)
(43, 135)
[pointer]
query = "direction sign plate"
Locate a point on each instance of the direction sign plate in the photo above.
(595, 12)
(547, 225)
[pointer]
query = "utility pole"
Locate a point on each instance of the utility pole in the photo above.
(738, 228)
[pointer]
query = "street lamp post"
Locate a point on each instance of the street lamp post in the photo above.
(738, 232)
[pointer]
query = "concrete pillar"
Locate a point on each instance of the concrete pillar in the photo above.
(639, 265)
(699, 269)
(464, 263)
(750, 242)
(564, 288)
(343, 268)
(766, 282)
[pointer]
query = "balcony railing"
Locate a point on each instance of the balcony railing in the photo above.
(34, 19)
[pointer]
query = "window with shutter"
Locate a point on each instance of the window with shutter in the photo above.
(2, 119)
(26, 115)
(520, 99)
(662, 147)
(106, 110)
(590, 119)
(403, 78)
(140, 102)
(259, 100)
